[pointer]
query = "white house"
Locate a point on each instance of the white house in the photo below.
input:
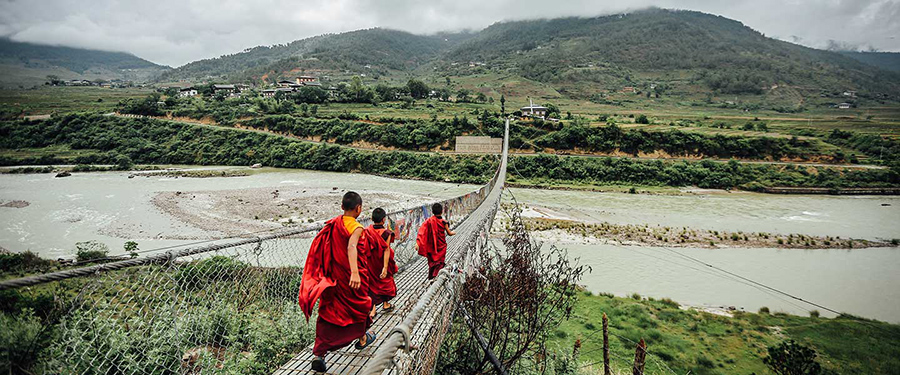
(532, 110)
(187, 92)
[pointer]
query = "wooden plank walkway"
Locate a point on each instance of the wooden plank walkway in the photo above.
(411, 283)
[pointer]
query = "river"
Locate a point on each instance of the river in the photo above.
(863, 282)
(85, 206)
(111, 208)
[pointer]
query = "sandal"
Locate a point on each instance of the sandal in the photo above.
(370, 338)
(318, 364)
(387, 309)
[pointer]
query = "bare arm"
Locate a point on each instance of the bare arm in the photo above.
(447, 228)
(353, 257)
(387, 258)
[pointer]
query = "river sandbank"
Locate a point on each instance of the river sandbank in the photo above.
(231, 212)
(561, 230)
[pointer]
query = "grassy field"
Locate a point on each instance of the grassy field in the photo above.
(53, 99)
(56, 151)
(688, 341)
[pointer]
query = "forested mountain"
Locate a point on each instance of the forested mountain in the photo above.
(652, 50)
(884, 60)
(382, 50)
(720, 53)
(29, 64)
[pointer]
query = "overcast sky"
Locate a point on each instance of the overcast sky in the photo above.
(175, 32)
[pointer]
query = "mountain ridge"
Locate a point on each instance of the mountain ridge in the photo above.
(24, 63)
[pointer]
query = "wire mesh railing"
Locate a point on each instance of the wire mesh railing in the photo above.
(229, 306)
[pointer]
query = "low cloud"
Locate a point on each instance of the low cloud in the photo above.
(175, 32)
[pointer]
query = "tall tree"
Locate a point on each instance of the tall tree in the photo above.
(417, 89)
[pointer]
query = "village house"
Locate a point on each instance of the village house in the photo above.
(187, 92)
(849, 94)
(302, 79)
(844, 106)
(228, 90)
(287, 84)
(532, 110)
(628, 90)
(268, 93)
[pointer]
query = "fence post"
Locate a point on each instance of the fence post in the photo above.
(606, 370)
(639, 355)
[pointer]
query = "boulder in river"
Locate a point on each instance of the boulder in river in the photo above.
(63, 174)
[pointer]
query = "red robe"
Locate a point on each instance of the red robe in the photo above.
(432, 243)
(343, 311)
(381, 290)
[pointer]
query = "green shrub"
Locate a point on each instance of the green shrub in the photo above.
(791, 358)
(814, 314)
(23, 262)
(705, 362)
(90, 250)
(764, 310)
(22, 341)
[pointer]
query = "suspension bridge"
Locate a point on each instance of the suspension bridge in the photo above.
(204, 307)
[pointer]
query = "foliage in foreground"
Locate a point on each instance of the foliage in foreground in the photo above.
(217, 315)
(516, 298)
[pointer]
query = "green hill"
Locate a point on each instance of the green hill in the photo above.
(884, 60)
(377, 51)
(29, 64)
(659, 46)
(670, 52)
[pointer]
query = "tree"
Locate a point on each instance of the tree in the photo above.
(417, 89)
(123, 162)
(642, 119)
(502, 104)
(131, 247)
(516, 299)
(481, 98)
(54, 80)
(462, 96)
(791, 358)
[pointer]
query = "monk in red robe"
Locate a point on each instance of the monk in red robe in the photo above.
(382, 266)
(336, 274)
(432, 240)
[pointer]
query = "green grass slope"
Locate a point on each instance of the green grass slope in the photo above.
(688, 341)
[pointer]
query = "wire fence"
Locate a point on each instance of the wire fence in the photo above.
(229, 306)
